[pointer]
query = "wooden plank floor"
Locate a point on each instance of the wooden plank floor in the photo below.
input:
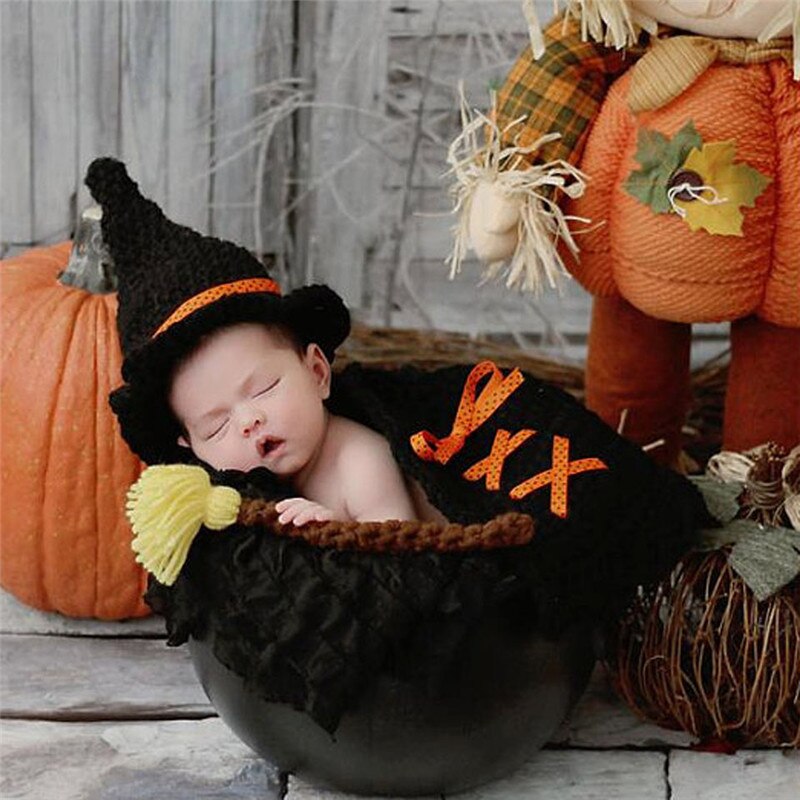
(105, 711)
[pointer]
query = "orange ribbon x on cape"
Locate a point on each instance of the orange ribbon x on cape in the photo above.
(472, 412)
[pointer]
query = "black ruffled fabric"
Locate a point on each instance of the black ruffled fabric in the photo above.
(311, 627)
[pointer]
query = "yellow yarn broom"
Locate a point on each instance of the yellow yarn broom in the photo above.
(166, 508)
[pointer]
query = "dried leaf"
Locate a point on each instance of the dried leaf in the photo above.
(721, 499)
(735, 184)
(766, 559)
(730, 534)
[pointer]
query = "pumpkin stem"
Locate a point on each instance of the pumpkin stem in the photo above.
(90, 265)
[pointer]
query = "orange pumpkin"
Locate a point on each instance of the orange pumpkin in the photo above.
(65, 469)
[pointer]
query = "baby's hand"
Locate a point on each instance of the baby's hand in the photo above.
(298, 511)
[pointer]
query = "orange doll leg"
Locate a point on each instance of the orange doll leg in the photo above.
(762, 401)
(639, 363)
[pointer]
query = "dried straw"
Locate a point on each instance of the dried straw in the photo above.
(542, 223)
(390, 348)
(615, 23)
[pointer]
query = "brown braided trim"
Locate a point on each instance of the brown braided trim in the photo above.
(393, 536)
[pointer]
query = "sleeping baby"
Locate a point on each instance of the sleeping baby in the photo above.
(222, 368)
(252, 395)
(219, 362)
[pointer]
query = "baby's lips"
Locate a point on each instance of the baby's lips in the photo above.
(266, 444)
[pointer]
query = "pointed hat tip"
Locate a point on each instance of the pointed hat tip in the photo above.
(108, 181)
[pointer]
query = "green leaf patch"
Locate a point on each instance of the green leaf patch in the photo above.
(659, 158)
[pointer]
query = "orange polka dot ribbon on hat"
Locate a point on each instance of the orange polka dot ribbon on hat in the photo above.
(472, 412)
(214, 293)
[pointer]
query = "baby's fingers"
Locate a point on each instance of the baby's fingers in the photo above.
(300, 510)
(316, 513)
(289, 509)
(289, 502)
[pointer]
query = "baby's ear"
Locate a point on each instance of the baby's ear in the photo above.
(320, 366)
(184, 442)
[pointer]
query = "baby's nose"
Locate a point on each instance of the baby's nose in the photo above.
(250, 421)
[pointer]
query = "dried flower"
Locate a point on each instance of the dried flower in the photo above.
(729, 466)
(790, 477)
(763, 497)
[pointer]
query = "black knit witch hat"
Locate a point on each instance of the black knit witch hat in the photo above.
(174, 286)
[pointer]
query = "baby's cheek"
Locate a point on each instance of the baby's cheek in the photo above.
(216, 455)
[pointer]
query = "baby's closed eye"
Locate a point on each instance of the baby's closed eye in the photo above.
(267, 388)
(216, 430)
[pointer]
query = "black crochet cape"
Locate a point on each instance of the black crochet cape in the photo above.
(311, 627)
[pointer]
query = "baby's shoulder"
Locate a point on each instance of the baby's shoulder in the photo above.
(362, 453)
(353, 437)
(371, 480)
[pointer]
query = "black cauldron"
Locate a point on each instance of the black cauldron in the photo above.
(503, 701)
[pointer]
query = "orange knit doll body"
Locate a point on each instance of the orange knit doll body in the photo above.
(656, 261)
(652, 274)
(690, 150)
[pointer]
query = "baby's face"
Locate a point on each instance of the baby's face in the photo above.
(247, 399)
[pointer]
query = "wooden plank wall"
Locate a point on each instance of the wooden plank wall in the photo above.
(335, 176)
(382, 229)
(167, 86)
